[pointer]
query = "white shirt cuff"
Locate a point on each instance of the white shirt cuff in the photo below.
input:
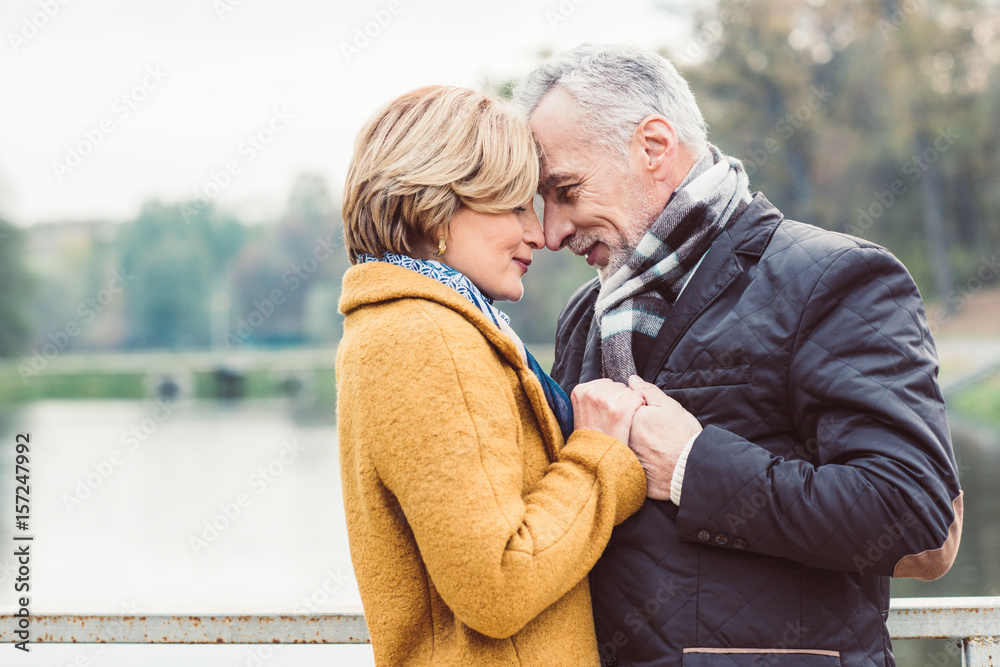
(677, 481)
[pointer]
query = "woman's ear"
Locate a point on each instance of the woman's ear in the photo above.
(426, 247)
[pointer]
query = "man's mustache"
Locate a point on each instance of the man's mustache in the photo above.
(579, 245)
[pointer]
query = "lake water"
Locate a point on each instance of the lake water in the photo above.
(208, 506)
(193, 506)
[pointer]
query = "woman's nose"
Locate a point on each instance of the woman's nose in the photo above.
(533, 234)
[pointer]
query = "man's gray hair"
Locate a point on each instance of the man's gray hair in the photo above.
(615, 88)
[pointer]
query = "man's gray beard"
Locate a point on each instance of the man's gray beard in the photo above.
(620, 255)
(645, 214)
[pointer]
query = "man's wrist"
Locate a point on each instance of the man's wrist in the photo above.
(677, 480)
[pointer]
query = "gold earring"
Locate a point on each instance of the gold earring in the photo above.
(441, 247)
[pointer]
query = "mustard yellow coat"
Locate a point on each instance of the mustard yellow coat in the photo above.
(472, 526)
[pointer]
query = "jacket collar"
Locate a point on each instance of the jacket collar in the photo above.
(752, 231)
(378, 282)
(748, 235)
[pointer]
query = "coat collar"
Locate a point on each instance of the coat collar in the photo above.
(748, 235)
(378, 282)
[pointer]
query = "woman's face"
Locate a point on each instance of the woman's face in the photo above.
(494, 249)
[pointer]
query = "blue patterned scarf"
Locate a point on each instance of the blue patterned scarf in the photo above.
(444, 274)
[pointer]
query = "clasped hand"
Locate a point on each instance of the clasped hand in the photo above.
(654, 425)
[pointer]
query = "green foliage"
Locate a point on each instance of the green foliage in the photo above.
(285, 284)
(168, 303)
(55, 386)
(980, 402)
(877, 119)
(179, 276)
(167, 258)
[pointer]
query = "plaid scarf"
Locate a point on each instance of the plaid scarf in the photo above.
(444, 274)
(634, 302)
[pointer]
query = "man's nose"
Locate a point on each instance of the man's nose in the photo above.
(557, 226)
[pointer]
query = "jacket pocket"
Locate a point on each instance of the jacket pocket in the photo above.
(760, 657)
(704, 378)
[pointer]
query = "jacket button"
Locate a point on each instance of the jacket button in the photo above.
(739, 543)
(722, 539)
(609, 661)
(704, 535)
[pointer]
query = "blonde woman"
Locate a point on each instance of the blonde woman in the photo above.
(475, 507)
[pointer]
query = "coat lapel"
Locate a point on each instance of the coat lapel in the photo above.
(720, 268)
(717, 272)
(505, 346)
(544, 414)
(593, 363)
(749, 234)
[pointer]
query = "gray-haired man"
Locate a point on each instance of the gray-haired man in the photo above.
(794, 436)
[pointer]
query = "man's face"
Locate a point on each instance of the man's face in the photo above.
(595, 203)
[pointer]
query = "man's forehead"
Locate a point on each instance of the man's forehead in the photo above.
(565, 163)
(555, 117)
(554, 123)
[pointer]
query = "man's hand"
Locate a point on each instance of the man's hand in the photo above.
(660, 429)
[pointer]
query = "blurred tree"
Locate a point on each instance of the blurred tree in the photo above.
(309, 214)
(870, 117)
(71, 261)
(266, 310)
(16, 290)
(169, 298)
(285, 285)
(174, 262)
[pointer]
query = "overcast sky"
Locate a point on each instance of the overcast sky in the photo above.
(108, 103)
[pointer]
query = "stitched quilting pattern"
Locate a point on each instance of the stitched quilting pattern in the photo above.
(841, 370)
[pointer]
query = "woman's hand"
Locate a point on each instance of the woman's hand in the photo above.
(605, 406)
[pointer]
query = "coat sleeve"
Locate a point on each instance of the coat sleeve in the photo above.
(450, 451)
(873, 485)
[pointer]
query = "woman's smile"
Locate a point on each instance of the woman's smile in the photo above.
(493, 250)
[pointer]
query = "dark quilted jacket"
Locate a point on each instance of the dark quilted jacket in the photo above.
(825, 466)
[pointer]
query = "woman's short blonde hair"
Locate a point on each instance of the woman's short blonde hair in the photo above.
(425, 155)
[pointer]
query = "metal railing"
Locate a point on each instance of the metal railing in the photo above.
(973, 622)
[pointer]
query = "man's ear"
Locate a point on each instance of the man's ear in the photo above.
(657, 141)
